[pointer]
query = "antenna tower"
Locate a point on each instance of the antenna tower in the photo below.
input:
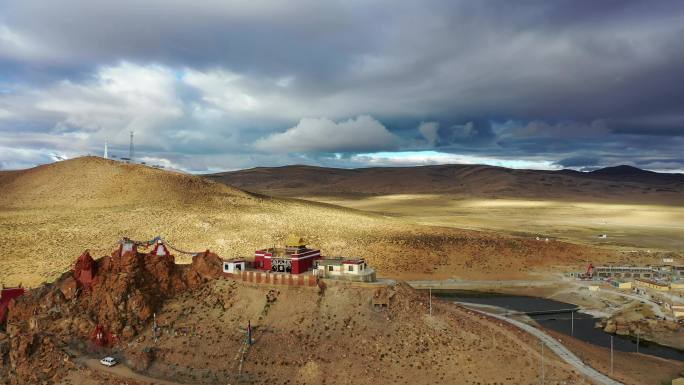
(106, 154)
(130, 149)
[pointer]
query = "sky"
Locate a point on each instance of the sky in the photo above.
(222, 85)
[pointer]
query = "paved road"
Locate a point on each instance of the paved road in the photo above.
(560, 350)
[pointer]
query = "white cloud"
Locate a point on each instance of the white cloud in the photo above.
(423, 158)
(223, 89)
(362, 133)
(429, 132)
(126, 97)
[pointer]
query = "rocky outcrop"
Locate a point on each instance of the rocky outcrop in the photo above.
(207, 265)
(663, 332)
(121, 298)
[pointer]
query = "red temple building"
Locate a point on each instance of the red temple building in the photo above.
(294, 258)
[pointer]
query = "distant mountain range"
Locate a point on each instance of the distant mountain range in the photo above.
(618, 184)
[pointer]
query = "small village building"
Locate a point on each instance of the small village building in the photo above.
(678, 381)
(677, 285)
(677, 311)
(234, 266)
(351, 269)
(294, 258)
(651, 284)
(621, 284)
(678, 271)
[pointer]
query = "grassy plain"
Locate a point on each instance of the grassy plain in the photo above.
(627, 226)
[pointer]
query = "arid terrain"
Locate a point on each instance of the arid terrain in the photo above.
(322, 334)
(51, 213)
(633, 207)
(621, 184)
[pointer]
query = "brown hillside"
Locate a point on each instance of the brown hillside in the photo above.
(97, 182)
(617, 184)
(328, 334)
(49, 214)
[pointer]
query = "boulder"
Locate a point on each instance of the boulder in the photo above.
(207, 265)
(68, 287)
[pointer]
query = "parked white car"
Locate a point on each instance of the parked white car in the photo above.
(109, 361)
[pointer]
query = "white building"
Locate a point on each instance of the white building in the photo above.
(351, 269)
(234, 266)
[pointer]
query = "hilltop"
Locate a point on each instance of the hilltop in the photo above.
(615, 184)
(50, 214)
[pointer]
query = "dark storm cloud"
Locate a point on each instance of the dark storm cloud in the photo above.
(217, 84)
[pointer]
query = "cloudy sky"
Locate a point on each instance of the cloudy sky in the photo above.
(221, 85)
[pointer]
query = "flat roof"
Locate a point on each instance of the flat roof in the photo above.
(651, 281)
(341, 261)
(326, 262)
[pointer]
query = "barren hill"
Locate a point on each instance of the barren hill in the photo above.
(615, 184)
(50, 214)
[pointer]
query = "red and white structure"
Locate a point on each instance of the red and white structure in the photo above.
(159, 249)
(294, 258)
(126, 246)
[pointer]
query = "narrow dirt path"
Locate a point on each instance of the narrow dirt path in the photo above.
(122, 371)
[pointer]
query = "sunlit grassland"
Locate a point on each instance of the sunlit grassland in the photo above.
(626, 225)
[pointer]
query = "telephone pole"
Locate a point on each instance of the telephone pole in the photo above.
(572, 323)
(638, 340)
(542, 362)
(611, 355)
(430, 289)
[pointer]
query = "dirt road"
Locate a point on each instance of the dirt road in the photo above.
(123, 372)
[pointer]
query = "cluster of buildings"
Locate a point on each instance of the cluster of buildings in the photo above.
(657, 277)
(296, 258)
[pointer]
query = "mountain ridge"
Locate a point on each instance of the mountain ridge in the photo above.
(619, 183)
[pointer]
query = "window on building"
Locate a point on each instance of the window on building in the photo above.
(351, 268)
(330, 268)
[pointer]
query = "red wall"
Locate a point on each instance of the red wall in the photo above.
(261, 259)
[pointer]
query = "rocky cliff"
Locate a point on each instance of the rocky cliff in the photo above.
(47, 322)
